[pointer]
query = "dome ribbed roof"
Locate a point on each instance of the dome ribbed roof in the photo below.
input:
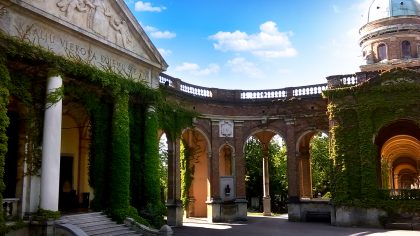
(380, 9)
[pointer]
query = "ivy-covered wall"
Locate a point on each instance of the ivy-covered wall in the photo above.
(4, 123)
(357, 114)
(123, 157)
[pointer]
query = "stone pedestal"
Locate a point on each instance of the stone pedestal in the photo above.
(214, 212)
(267, 206)
(242, 209)
(175, 213)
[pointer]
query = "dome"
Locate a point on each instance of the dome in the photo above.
(380, 9)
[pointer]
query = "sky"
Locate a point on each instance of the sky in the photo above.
(251, 45)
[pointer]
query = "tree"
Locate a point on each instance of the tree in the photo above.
(321, 164)
(163, 170)
(277, 156)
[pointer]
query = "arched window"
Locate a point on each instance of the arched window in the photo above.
(382, 52)
(405, 49)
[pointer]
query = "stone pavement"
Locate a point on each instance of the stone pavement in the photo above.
(278, 226)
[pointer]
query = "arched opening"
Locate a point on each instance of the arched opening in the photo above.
(266, 173)
(163, 168)
(314, 165)
(226, 172)
(399, 160)
(405, 49)
(382, 52)
(75, 192)
(194, 173)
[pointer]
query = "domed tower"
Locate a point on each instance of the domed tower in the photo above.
(391, 36)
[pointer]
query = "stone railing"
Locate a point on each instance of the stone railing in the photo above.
(178, 84)
(241, 95)
(10, 206)
(337, 81)
(401, 194)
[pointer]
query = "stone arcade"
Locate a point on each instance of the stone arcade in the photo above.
(227, 118)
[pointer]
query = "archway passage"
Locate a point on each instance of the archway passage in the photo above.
(400, 160)
(266, 168)
(314, 164)
(194, 173)
(75, 191)
(399, 148)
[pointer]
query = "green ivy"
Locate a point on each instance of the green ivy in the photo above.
(110, 100)
(151, 165)
(120, 161)
(357, 114)
(4, 123)
(187, 173)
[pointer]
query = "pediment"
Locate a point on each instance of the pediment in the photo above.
(102, 32)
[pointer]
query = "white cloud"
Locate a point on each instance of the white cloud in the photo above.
(196, 70)
(240, 65)
(156, 33)
(164, 52)
(268, 43)
(147, 6)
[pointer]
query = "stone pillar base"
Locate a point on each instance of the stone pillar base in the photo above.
(214, 212)
(175, 214)
(242, 209)
(267, 206)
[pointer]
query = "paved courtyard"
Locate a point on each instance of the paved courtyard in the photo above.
(278, 226)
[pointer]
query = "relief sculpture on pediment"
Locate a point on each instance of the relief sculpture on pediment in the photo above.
(98, 18)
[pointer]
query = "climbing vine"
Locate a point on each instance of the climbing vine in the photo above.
(357, 114)
(4, 123)
(187, 173)
(111, 100)
(120, 160)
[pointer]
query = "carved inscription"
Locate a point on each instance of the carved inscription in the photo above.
(40, 36)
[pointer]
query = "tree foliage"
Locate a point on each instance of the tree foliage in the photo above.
(277, 156)
(321, 164)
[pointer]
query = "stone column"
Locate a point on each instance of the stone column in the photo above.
(266, 184)
(51, 145)
(174, 204)
(239, 173)
(306, 177)
(292, 162)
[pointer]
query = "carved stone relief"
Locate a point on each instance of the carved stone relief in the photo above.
(98, 17)
(226, 128)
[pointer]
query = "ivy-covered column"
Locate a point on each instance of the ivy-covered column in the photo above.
(151, 165)
(174, 204)
(4, 123)
(51, 145)
(367, 153)
(120, 160)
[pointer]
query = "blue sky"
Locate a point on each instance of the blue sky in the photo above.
(248, 44)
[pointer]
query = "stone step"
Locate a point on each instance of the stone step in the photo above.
(96, 223)
(82, 221)
(108, 231)
(99, 226)
(84, 215)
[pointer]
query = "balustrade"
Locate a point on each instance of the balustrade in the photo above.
(221, 94)
(10, 207)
